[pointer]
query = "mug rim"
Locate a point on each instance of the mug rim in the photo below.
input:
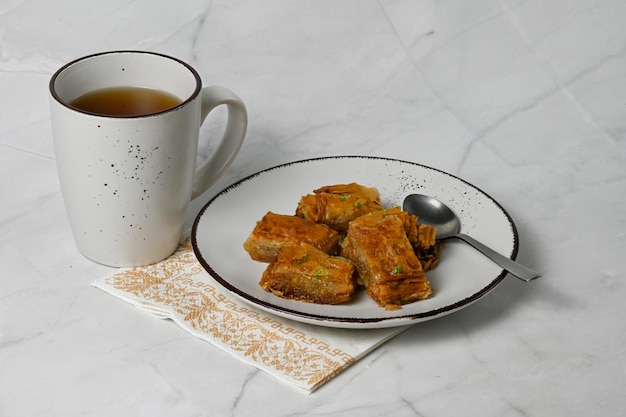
(62, 102)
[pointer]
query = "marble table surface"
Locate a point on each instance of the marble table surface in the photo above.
(524, 99)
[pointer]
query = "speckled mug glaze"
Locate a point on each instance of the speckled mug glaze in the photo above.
(127, 181)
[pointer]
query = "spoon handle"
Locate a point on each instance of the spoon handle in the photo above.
(517, 269)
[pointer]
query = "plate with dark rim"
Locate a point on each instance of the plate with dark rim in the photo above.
(462, 277)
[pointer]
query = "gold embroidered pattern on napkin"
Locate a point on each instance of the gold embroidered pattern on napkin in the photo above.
(256, 336)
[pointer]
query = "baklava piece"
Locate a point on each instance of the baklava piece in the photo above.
(276, 230)
(305, 273)
(378, 246)
(337, 205)
(427, 247)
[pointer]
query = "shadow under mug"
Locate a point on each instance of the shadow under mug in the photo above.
(127, 180)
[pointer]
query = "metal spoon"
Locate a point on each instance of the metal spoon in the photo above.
(434, 212)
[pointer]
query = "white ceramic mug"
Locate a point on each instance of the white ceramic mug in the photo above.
(127, 181)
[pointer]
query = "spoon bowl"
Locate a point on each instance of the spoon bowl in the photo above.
(431, 211)
(434, 212)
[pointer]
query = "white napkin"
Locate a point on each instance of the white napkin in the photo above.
(303, 355)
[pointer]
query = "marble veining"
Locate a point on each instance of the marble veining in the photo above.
(522, 98)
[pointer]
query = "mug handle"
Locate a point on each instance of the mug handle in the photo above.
(214, 166)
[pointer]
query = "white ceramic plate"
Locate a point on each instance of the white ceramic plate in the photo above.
(462, 277)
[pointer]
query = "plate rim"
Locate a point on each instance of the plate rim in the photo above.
(338, 320)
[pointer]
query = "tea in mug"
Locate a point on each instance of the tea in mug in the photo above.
(125, 101)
